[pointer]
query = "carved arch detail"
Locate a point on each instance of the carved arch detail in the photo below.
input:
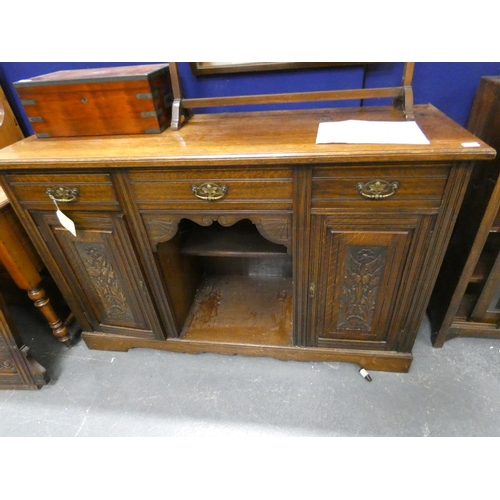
(275, 228)
(160, 228)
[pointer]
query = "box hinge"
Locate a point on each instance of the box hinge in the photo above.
(152, 114)
(147, 95)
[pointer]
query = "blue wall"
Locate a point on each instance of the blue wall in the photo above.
(448, 86)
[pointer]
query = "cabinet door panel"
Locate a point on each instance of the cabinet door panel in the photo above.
(101, 265)
(358, 281)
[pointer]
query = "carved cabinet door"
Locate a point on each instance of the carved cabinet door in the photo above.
(362, 273)
(103, 272)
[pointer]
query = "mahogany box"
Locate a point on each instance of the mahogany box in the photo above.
(101, 101)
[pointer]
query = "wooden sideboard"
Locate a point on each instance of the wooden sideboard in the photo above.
(238, 234)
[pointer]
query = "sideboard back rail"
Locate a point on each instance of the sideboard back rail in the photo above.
(182, 107)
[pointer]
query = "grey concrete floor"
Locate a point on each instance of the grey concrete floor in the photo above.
(452, 391)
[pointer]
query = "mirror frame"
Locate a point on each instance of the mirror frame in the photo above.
(212, 68)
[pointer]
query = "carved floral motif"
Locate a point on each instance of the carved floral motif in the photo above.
(105, 280)
(363, 273)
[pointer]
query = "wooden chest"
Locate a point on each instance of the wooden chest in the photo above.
(102, 101)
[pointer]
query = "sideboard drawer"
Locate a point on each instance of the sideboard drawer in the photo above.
(81, 191)
(221, 189)
(382, 187)
(7, 365)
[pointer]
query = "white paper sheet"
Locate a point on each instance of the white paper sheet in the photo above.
(370, 132)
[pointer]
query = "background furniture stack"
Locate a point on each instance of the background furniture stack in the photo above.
(466, 298)
(20, 269)
(17, 369)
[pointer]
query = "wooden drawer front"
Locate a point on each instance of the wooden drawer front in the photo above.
(95, 191)
(382, 187)
(7, 364)
(246, 189)
(15, 371)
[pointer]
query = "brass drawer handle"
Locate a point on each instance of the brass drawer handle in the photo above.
(63, 194)
(377, 189)
(209, 191)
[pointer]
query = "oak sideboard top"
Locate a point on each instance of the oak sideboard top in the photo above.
(259, 138)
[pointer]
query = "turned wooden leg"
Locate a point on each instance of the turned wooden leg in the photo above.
(22, 262)
(39, 297)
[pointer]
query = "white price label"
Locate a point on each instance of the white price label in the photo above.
(66, 222)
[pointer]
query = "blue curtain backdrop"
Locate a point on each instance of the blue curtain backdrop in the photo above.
(448, 86)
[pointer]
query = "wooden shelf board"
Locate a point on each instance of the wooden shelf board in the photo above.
(242, 309)
(244, 241)
(483, 267)
(471, 329)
